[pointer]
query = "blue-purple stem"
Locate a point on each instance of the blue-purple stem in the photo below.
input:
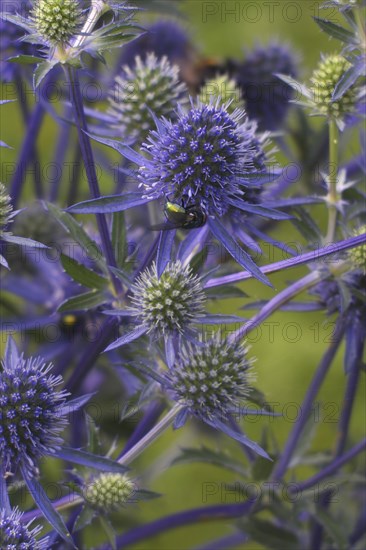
(88, 159)
(151, 416)
(181, 519)
(60, 155)
(280, 299)
(281, 467)
(313, 256)
(343, 428)
(26, 155)
(329, 470)
(91, 354)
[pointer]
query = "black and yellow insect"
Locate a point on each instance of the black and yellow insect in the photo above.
(180, 217)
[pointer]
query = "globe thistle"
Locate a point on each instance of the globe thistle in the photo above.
(224, 88)
(212, 379)
(14, 535)
(171, 303)
(163, 38)
(109, 492)
(346, 297)
(56, 21)
(31, 415)
(150, 86)
(6, 208)
(266, 97)
(202, 158)
(324, 81)
(358, 255)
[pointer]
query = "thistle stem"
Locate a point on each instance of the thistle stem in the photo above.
(72, 500)
(88, 159)
(330, 469)
(343, 427)
(312, 256)
(26, 152)
(150, 417)
(284, 461)
(151, 436)
(280, 299)
(333, 196)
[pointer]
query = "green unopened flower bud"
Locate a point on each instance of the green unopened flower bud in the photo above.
(358, 255)
(325, 79)
(5, 208)
(212, 378)
(57, 20)
(109, 492)
(170, 303)
(224, 88)
(151, 86)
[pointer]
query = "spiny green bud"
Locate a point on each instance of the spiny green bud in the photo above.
(358, 255)
(325, 79)
(212, 378)
(151, 85)
(225, 88)
(6, 208)
(169, 303)
(109, 492)
(57, 20)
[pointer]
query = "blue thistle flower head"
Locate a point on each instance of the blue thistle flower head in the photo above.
(202, 158)
(31, 410)
(330, 294)
(346, 297)
(170, 303)
(212, 379)
(14, 535)
(164, 38)
(266, 96)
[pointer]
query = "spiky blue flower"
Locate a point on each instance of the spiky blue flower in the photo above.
(212, 379)
(31, 410)
(15, 535)
(163, 38)
(266, 96)
(202, 158)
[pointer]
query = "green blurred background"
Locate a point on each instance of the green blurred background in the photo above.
(286, 357)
